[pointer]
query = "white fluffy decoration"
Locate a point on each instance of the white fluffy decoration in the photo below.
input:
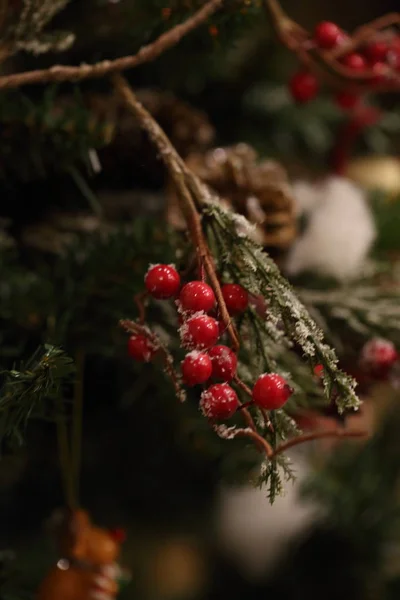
(340, 229)
(254, 534)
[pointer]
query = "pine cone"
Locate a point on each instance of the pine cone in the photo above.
(258, 190)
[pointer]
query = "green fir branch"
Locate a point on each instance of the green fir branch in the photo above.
(33, 390)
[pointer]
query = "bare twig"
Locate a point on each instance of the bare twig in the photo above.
(188, 197)
(146, 54)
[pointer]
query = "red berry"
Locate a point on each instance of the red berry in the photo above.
(347, 100)
(379, 354)
(140, 348)
(196, 368)
(162, 281)
(355, 61)
(303, 87)
(271, 391)
(393, 57)
(380, 70)
(200, 332)
(376, 51)
(327, 35)
(224, 362)
(236, 298)
(318, 370)
(219, 401)
(197, 296)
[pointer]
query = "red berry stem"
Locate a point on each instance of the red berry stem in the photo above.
(260, 442)
(319, 435)
(266, 448)
(202, 271)
(140, 299)
(136, 328)
(223, 311)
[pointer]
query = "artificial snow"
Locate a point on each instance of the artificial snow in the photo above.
(340, 229)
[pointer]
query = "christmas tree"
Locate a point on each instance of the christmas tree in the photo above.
(199, 302)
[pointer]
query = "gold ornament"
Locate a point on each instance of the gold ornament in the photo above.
(376, 173)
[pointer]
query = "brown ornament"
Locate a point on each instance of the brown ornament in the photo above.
(88, 561)
(259, 190)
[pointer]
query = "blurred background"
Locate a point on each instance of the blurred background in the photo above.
(82, 213)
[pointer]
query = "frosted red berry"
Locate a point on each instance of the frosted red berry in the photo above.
(224, 363)
(355, 61)
(380, 70)
(196, 368)
(162, 281)
(200, 332)
(393, 55)
(197, 296)
(271, 391)
(376, 51)
(140, 348)
(347, 100)
(219, 402)
(327, 35)
(236, 298)
(379, 353)
(303, 87)
(393, 58)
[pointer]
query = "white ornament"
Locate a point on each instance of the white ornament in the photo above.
(340, 229)
(254, 534)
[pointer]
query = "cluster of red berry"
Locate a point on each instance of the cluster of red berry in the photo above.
(380, 57)
(199, 333)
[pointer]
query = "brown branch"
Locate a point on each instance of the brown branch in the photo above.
(191, 193)
(326, 64)
(132, 327)
(318, 435)
(146, 54)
